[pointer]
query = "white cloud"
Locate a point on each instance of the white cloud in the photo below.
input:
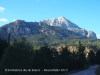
(2, 9)
(3, 20)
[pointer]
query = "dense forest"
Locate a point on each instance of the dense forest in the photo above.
(21, 58)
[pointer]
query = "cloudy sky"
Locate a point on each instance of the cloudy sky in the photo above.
(84, 13)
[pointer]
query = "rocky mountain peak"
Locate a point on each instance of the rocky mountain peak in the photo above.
(91, 34)
(66, 24)
(61, 22)
(62, 18)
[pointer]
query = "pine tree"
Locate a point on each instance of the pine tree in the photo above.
(98, 57)
(91, 57)
(81, 56)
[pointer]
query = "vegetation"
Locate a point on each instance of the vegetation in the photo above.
(3, 46)
(98, 62)
(91, 57)
(39, 40)
(22, 56)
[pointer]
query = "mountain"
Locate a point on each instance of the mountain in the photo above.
(54, 31)
(20, 28)
(66, 24)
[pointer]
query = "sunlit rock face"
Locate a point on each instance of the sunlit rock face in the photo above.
(64, 23)
(61, 22)
(91, 34)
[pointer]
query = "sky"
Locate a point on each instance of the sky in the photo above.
(84, 13)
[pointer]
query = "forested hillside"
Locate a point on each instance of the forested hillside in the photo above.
(20, 58)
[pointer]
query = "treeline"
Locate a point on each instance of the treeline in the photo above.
(22, 56)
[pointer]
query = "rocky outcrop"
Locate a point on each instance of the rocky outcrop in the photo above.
(66, 24)
(91, 34)
(61, 22)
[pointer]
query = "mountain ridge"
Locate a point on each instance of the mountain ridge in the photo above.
(64, 23)
(22, 28)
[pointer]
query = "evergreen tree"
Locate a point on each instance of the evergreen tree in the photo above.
(65, 58)
(81, 56)
(43, 58)
(91, 57)
(98, 57)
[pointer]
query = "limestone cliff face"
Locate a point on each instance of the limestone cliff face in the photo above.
(66, 24)
(91, 34)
